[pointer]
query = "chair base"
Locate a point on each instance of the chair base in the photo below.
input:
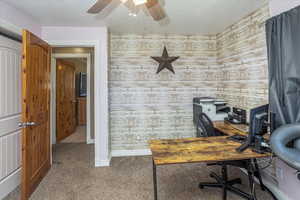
(227, 185)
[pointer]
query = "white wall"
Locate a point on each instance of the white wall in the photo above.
(279, 6)
(15, 20)
(97, 37)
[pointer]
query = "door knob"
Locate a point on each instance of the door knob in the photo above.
(26, 124)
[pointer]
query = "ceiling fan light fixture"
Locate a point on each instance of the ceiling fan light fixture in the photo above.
(139, 2)
(132, 14)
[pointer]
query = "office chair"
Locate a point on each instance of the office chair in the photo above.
(207, 127)
(208, 130)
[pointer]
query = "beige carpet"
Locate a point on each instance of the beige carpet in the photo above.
(79, 136)
(73, 177)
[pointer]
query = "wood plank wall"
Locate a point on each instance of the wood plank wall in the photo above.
(231, 65)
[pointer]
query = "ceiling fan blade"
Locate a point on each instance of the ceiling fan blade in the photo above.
(129, 4)
(155, 10)
(99, 6)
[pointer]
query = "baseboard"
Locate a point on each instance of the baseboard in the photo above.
(125, 153)
(103, 163)
(10, 183)
(122, 153)
(90, 141)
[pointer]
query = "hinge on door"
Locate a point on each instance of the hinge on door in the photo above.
(26, 124)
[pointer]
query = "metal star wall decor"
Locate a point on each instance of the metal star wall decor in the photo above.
(165, 61)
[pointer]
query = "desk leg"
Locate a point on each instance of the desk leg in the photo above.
(259, 175)
(225, 179)
(251, 180)
(154, 180)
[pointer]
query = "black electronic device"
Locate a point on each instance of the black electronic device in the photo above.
(223, 108)
(258, 127)
(237, 116)
(238, 138)
(81, 84)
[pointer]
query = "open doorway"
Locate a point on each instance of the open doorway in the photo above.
(72, 106)
(71, 103)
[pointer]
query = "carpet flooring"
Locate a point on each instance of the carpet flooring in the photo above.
(73, 177)
(79, 136)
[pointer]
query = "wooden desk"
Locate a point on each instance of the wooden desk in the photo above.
(228, 129)
(191, 150)
(197, 150)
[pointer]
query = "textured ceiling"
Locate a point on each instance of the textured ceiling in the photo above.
(184, 16)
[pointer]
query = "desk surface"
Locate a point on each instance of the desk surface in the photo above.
(209, 149)
(228, 128)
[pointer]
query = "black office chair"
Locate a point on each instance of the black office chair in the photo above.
(207, 127)
(208, 130)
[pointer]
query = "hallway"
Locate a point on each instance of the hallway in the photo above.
(79, 136)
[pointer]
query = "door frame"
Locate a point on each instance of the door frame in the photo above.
(101, 114)
(54, 57)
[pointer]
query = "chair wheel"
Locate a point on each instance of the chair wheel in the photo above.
(201, 186)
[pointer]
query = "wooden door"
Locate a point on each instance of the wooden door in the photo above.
(35, 112)
(65, 100)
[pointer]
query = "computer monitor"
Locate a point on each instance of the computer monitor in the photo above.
(258, 126)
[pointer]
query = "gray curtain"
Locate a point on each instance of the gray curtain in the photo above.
(283, 42)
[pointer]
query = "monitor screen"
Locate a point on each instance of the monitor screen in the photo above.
(258, 117)
(82, 84)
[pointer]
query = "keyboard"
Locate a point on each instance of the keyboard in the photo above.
(238, 138)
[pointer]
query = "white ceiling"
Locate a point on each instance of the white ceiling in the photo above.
(184, 16)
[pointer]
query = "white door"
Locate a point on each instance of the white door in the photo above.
(10, 115)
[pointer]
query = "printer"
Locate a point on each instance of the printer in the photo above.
(215, 109)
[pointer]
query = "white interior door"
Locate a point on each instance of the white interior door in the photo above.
(10, 115)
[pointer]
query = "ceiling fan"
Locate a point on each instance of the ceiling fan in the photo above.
(153, 7)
